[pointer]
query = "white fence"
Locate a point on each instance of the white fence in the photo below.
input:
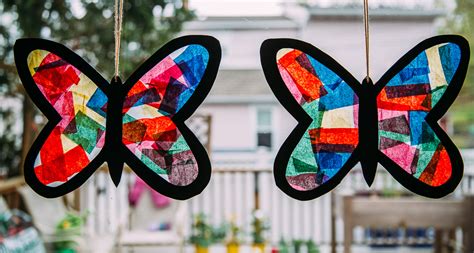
(236, 192)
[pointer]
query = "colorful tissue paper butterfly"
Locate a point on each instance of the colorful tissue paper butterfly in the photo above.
(139, 122)
(342, 122)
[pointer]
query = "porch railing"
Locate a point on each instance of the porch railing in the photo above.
(234, 192)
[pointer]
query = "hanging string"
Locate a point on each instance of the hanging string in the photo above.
(118, 15)
(367, 38)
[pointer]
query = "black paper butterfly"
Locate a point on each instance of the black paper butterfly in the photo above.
(140, 122)
(342, 122)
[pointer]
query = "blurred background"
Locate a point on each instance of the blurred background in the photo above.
(242, 126)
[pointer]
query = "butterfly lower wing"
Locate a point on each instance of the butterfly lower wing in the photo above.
(322, 96)
(177, 79)
(67, 149)
(413, 96)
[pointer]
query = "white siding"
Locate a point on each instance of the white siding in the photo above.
(241, 48)
(344, 41)
(233, 126)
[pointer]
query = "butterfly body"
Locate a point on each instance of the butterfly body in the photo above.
(341, 121)
(368, 130)
(113, 142)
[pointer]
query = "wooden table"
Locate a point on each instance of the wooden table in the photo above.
(441, 214)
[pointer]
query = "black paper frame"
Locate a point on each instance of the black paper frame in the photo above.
(121, 154)
(268, 52)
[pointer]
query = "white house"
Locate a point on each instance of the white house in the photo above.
(245, 113)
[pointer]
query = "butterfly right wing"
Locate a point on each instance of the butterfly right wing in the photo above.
(67, 151)
(413, 95)
(161, 95)
(322, 96)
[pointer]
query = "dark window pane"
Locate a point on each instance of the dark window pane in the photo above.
(264, 140)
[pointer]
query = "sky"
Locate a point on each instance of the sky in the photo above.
(276, 7)
(236, 7)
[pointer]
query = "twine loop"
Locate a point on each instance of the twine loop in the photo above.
(367, 39)
(118, 16)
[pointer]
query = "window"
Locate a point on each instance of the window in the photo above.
(264, 127)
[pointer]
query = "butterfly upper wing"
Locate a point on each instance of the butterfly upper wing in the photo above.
(175, 81)
(413, 96)
(67, 150)
(322, 96)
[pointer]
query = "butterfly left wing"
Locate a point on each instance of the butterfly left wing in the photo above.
(413, 96)
(72, 95)
(161, 95)
(323, 97)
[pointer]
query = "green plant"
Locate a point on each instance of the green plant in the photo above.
(461, 21)
(203, 234)
(312, 247)
(69, 227)
(297, 245)
(233, 232)
(283, 246)
(259, 227)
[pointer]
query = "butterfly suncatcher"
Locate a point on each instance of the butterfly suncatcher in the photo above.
(342, 122)
(139, 122)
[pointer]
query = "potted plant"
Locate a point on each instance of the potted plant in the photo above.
(203, 234)
(233, 243)
(259, 227)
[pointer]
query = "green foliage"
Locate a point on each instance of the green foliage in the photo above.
(283, 246)
(203, 234)
(233, 232)
(312, 247)
(259, 227)
(462, 113)
(9, 143)
(86, 27)
(69, 227)
(297, 244)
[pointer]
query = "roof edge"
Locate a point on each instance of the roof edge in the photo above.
(380, 14)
